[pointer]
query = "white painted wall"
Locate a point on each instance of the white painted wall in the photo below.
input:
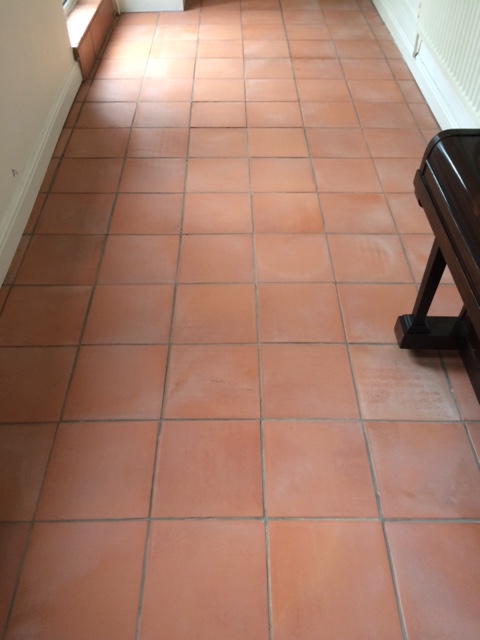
(39, 81)
(447, 105)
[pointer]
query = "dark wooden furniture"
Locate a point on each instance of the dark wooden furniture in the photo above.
(447, 186)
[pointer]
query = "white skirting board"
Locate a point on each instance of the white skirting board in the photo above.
(441, 96)
(137, 6)
(18, 212)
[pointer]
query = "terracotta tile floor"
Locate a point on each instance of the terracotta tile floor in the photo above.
(207, 429)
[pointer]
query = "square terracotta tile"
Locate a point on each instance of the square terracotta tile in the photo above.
(396, 384)
(170, 68)
(117, 382)
(218, 114)
(277, 142)
(147, 213)
(265, 49)
(323, 90)
(106, 114)
(268, 68)
(397, 175)
(350, 31)
(336, 143)
(299, 313)
(216, 258)
(17, 259)
(425, 470)
(346, 175)
(35, 213)
(72, 213)
(116, 68)
(153, 175)
(214, 314)
(269, 90)
(307, 381)
(33, 382)
(467, 402)
(208, 469)
(292, 258)
(24, 454)
(281, 175)
(49, 175)
(43, 316)
(62, 142)
(129, 314)
(371, 310)
(314, 31)
(409, 216)
(206, 213)
(351, 48)
(130, 259)
(169, 142)
(375, 91)
(93, 558)
(127, 49)
(114, 90)
(312, 49)
(390, 48)
(162, 114)
(88, 175)
(73, 114)
(311, 14)
(173, 49)
(423, 116)
(317, 470)
(218, 68)
(383, 115)
(97, 143)
(68, 260)
(331, 560)
(99, 470)
(360, 213)
(168, 90)
(263, 31)
(177, 31)
(218, 89)
(365, 69)
(4, 291)
(474, 433)
(218, 143)
(286, 213)
(395, 143)
(207, 578)
(220, 32)
(12, 542)
(369, 258)
(437, 568)
(274, 114)
(341, 17)
(219, 48)
(329, 114)
(212, 381)
(261, 16)
(214, 175)
(317, 68)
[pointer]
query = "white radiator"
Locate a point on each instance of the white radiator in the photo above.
(451, 31)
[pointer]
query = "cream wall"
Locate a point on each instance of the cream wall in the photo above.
(443, 95)
(39, 80)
